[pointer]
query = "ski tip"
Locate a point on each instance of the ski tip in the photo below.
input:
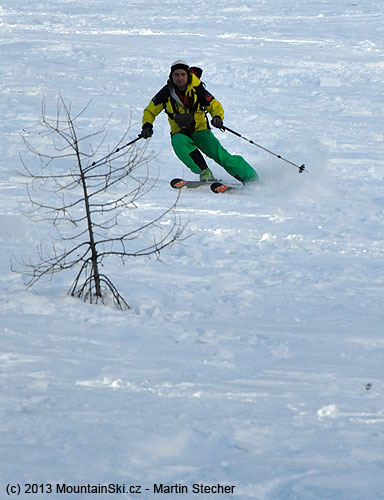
(218, 187)
(177, 183)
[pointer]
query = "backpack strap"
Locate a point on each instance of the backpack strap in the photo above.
(176, 102)
(203, 98)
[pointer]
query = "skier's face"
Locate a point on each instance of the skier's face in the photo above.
(180, 79)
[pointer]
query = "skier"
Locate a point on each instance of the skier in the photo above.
(186, 101)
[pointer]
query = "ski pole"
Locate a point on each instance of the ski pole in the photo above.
(117, 150)
(300, 167)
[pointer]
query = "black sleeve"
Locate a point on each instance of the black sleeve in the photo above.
(205, 98)
(162, 96)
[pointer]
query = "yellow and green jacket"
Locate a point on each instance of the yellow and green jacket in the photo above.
(199, 100)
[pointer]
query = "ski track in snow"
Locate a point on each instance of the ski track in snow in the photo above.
(252, 355)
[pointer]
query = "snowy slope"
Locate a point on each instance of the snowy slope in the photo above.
(252, 356)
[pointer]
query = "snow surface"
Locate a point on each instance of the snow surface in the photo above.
(253, 353)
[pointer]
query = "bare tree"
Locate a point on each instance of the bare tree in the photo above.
(88, 202)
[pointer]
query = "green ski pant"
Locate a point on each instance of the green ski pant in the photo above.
(207, 142)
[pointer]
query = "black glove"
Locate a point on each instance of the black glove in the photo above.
(217, 122)
(147, 131)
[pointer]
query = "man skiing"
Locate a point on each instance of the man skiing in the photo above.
(186, 101)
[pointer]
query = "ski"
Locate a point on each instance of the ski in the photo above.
(219, 187)
(182, 183)
(216, 185)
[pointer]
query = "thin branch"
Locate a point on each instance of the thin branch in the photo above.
(84, 202)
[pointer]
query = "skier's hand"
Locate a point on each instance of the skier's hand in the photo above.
(147, 131)
(217, 122)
